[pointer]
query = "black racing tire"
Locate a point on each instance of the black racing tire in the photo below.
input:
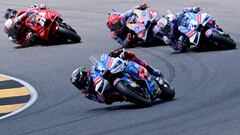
(224, 40)
(132, 95)
(66, 33)
(168, 92)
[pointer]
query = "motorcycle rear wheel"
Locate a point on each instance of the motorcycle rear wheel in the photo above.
(168, 92)
(225, 41)
(67, 33)
(132, 94)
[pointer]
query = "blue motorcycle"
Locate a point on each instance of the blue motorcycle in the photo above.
(129, 80)
(201, 30)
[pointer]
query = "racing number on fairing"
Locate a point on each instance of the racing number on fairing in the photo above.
(38, 20)
(42, 21)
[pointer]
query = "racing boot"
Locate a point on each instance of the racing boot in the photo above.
(160, 82)
(154, 71)
(157, 73)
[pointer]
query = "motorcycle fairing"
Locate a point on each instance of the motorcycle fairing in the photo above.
(44, 16)
(140, 73)
(116, 65)
(97, 79)
(138, 21)
(190, 24)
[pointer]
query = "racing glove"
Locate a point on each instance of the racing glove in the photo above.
(116, 53)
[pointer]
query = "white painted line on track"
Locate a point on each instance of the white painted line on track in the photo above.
(33, 98)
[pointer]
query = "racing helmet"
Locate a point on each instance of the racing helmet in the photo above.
(164, 26)
(10, 13)
(114, 22)
(80, 78)
(8, 25)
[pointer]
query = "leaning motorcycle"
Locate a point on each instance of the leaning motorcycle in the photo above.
(47, 25)
(141, 24)
(129, 80)
(202, 31)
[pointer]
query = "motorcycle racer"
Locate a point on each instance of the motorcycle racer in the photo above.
(15, 29)
(116, 22)
(168, 28)
(83, 78)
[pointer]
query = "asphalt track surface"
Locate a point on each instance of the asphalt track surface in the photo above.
(207, 83)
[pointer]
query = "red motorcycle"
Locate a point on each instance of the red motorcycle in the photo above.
(46, 24)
